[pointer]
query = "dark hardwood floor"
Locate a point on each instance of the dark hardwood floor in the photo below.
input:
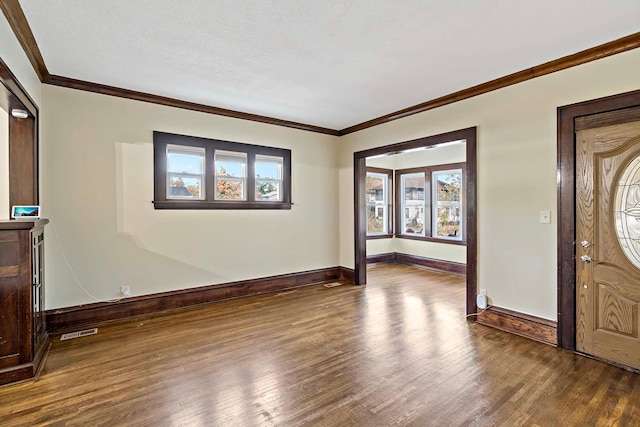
(396, 352)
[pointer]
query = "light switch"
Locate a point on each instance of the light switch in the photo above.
(545, 217)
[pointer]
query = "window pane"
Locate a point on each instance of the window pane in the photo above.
(376, 190)
(231, 172)
(268, 178)
(185, 187)
(374, 187)
(269, 167)
(268, 190)
(625, 211)
(413, 203)
(447, 194)
(185, 160)
(229, 189)
(230, 163)
(185, 176)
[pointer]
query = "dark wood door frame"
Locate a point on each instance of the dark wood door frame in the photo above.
(567, 116)
(360, 211)
(23, 140)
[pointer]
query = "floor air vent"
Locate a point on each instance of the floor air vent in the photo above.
(332, 285)
(79, 334)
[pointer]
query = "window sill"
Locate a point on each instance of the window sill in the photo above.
(201, 204)
(379, 236)
(432, 239)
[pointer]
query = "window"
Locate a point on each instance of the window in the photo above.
(447, 204)
(185, 172)
(200, 173)
(378, 195)
(430, 203)
(268, 178)
(413, 185)
(231, 175)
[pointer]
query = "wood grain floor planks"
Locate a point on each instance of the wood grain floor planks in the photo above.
(396, 352)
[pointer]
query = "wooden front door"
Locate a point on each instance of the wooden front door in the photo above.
(608, 235)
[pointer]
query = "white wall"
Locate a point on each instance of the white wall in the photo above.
(516, 173)
(14, 57)
(435, 156)
(97, 175)
(4, 164)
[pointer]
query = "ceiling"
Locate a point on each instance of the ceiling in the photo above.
(327, 63)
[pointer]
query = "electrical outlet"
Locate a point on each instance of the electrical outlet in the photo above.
(125, 291)
(483, 292)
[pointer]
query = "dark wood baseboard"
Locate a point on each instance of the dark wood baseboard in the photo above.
(436, 264)
(400, 258)
(389, 257)
(91, 315)
(347, 274)
(535, 328)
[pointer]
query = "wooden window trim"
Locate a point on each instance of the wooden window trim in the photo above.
(427, 170)
(390, 198)
(160, 201)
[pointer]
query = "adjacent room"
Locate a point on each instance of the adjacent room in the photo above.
(319, 213)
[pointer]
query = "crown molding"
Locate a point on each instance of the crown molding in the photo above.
(172, 102)
(18, 22)
(602, 51)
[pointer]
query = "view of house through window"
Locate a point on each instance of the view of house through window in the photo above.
(268, 178)
(185, 172)
(431, 202)
(447, 205)
(377, 195)
(417, 194)
(413, 206)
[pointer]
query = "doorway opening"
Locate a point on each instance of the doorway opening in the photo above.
(469, 228)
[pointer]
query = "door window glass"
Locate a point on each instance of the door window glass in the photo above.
(627, 211)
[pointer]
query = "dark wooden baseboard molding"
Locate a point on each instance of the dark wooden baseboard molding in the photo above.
(387, 258)
(436, 264)
(535, 328)
(400, 258)
(347, 274)
(95, 314)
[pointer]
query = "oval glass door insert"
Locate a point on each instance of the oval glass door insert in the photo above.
(627, 212)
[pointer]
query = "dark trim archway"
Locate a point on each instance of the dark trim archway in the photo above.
(567, 205)
(23, 159)
(23, 140)
(360, 222)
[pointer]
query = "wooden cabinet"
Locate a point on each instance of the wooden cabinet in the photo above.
(23, 334)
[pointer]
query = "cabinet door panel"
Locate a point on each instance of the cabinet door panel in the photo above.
(9, 318)
(9, 299)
